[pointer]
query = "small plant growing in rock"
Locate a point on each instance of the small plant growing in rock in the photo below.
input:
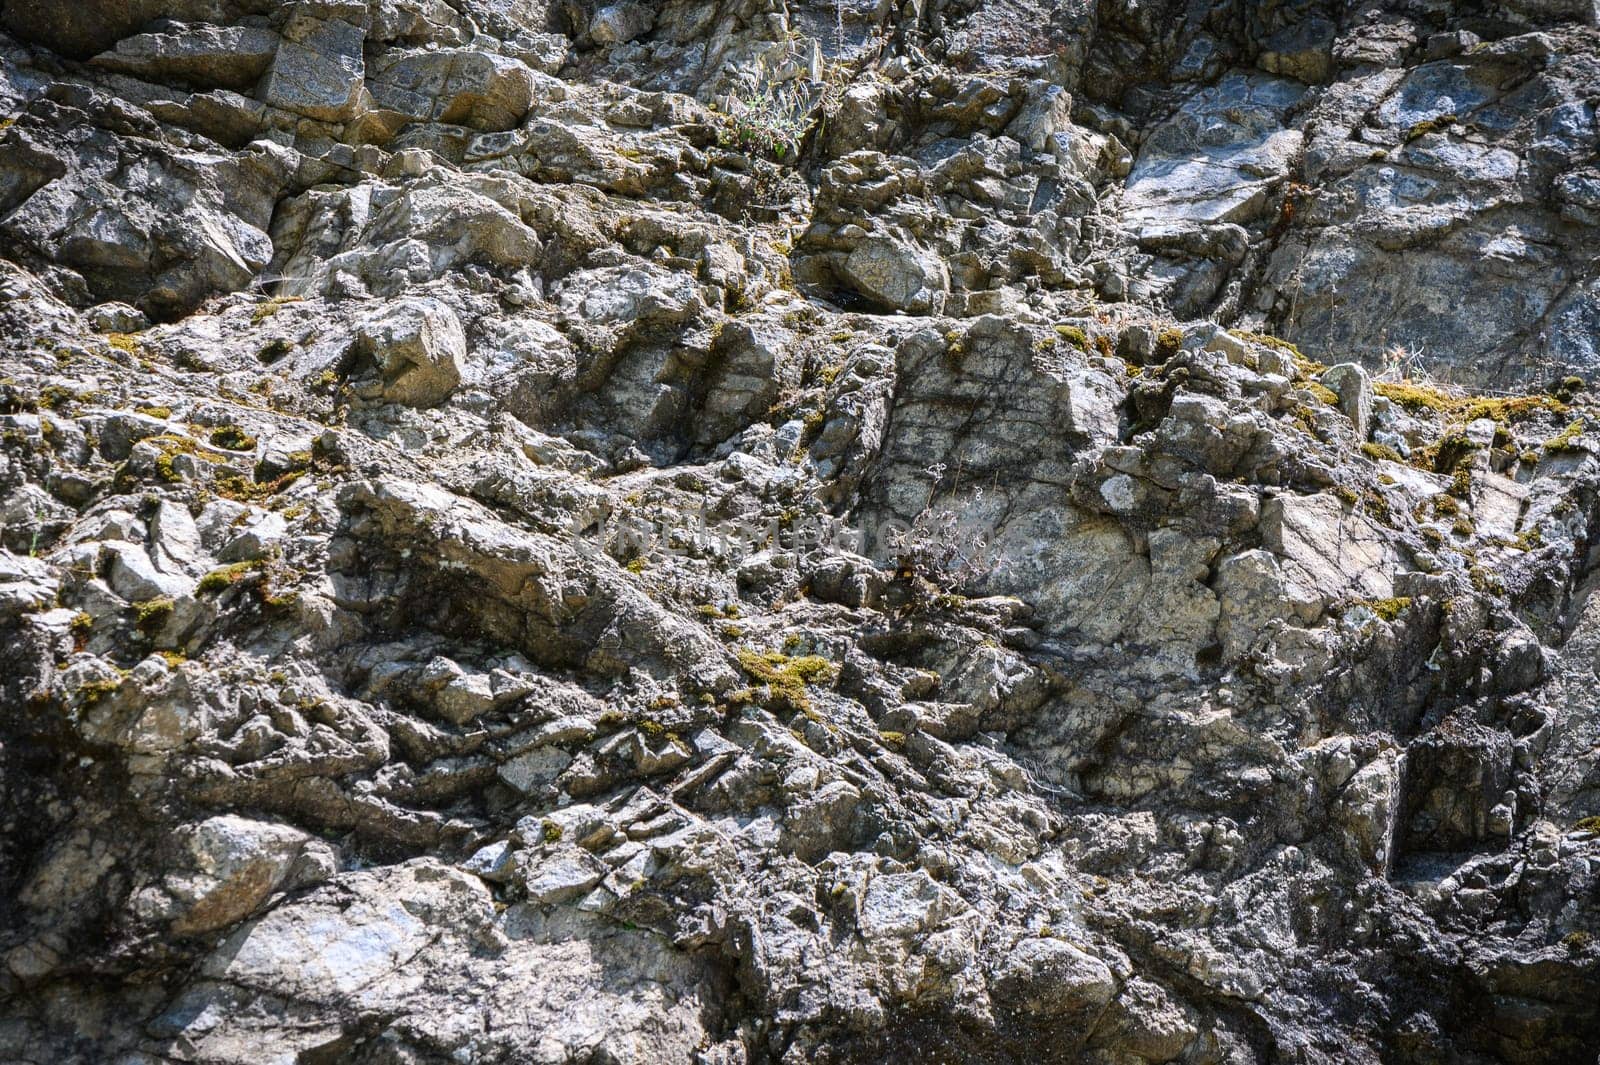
(54, 397)
(1437, 124)
(1381, 451)
(771, 121)
(937, 548)
(220, 580)
(1390, 609)
(267, 308)
(1567, 439)
(1402, 363)
(1323, 394)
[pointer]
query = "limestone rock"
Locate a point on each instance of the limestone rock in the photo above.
(319, 68)
(238, 863)
(86, 28)
(1325, 551)
(164, 232)
(461, 87)
(1058, 980)
(551, 531)
(897, 276)
(231, 57)
(1215, 160)
(1354, 389)
(620, 23)
(418, 347)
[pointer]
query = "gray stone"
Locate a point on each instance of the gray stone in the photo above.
(897, 276)
(536, 769)
(418, 346)
(565, 874)
(133, 575)
(25, 584)
(231, 57)
(901, 905)
(117, 318)
(318, 70)
(1302, 50)
(1217, 158)
(84, 29)
(1107, 740)
(1056, 979)
(620, 23)
(1326, 551)
(1354, 389)
(458, 86)
(237, 864)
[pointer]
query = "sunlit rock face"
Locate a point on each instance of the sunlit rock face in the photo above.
(656, 532)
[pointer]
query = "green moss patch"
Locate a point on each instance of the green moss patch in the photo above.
(787, 678)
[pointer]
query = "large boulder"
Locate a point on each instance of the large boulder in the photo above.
(319, 69)
(460, 86)
(1217, 159)
(82, 29)
(140, 221)
(620, 23)
(383, 237)
(1326, 551)
(418, 346)
(233, 864)
(231, 57)
(898, 275)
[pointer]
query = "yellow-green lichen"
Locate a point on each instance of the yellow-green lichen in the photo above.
(1567, 439)
(92, 691)
(1074, 336)
(1323, 393)
(232, 438)
(1437, 124)
(267, 308)
(226, 577)
(150, 615)
(1388, 609)
(1381, 452)
(787, 678)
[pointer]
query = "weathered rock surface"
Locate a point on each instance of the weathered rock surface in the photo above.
(782, 532)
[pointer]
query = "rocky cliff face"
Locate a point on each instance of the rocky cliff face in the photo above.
(772, 531)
